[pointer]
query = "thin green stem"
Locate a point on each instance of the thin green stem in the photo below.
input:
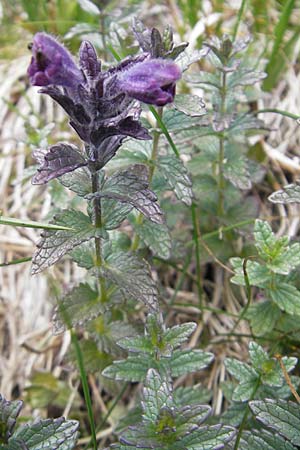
(279, 111)
(196, 235)
(163, 127)
(16, 261)
(221, 181)
(85, 387)
(245, 417)
(248, 294)
(238, 20)
(182, 277)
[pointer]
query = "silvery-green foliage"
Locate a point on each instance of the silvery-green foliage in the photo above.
(165, 425)
(49, 434)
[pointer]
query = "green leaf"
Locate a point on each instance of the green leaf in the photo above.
(9, 412)
(191, 105)
(187, 57)
(53, 245)
(189, 395)
(177, 177)
(157, 395)
(156, 237)
(190, 417)
(49, 434)
(246, 376)
(84, 255)
(137, 344)
(264, 440)
(187, 361)
(280, 415)
(133, 277)
(113, 213)
(286, 297)
(179, 334)
(89, 7)
(264, 237)
(258, 274)
(31, 224)
(78, 181)
(236, 167)
(77, 307)
(244, 77)
(289, 194)
(263, 317)
(133, 369)
(14, 444)
(206, 438)
(94, 359)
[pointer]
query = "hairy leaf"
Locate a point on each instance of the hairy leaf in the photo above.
(191, 105)
(9, 412)
(133, 277)
(286, 296)
(264, 440)
(186, 361)
(49, 434)
(78, 181)
(156, 237)
(206, 438)
(280, 415)
(244, 77)
(114, 212)
(131, 186)
(177, 177)
(263, 317)
(179, 334)
(60, 158)
(157, 395)
(258, 274)
(289, 194)
(55, 244)
(77, 307)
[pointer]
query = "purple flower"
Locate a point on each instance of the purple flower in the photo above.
(152, 81)
(52, 64)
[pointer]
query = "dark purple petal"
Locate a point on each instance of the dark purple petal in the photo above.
(52, 64)
(152, 81)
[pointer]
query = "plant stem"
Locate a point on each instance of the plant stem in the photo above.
(158, 115)
(85, 387)
(98, 225)
(196, 235)
(221, 181)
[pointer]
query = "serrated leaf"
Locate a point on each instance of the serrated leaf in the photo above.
(133, 277)
(190, 417)
(258, 275)
(187, 361)
(9, 412)
(49, 434)
(14, 444)
(53, 245)
(189, 395)
(246, 376)
(78, 181)
(156, 237)
(186, 58)
(94, 359)
(280, 415)
(157, 395)
(244, 77)
(59, 159)
(131, 186)
(133, 369)
(179, 334)
(84, 255)
(177, 177)
(289, 194)
(264, 440)
(206, 438)
(113, 213)
(236, 167)
(286, 297)
(137, 344)
(263, 317)
(191, 105)
(77, 307)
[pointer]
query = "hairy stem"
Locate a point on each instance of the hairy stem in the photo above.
(98, 224)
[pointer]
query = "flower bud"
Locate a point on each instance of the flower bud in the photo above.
(52, 64)
(152, 81)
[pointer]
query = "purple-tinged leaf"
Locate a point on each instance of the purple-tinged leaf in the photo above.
(53, 244)
(130, 186)
(9, 412)
(88, 61)
(60, 158)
